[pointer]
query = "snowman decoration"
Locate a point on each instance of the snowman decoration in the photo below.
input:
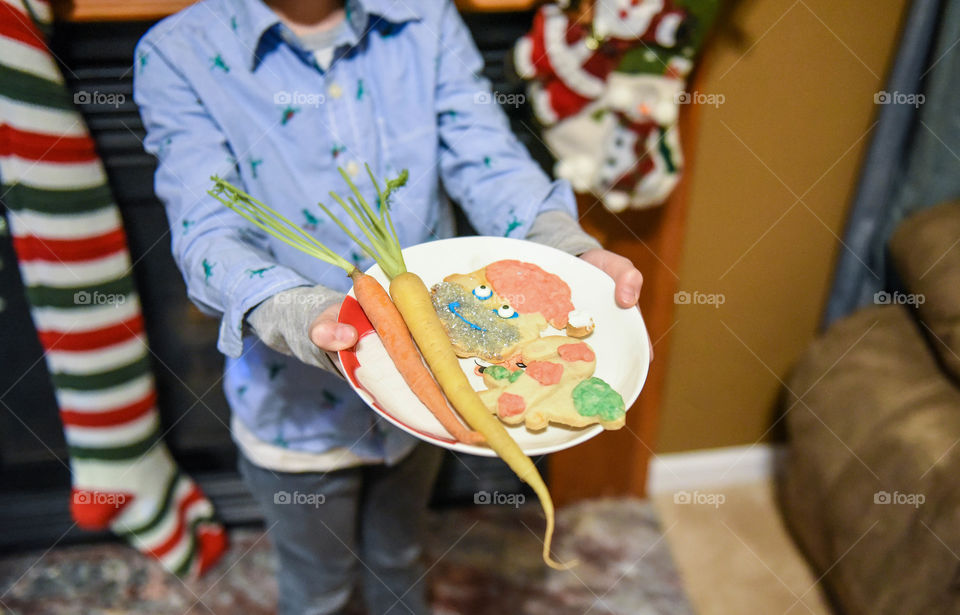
(643, 156)
(613, 133)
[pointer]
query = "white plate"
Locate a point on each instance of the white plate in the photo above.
(620, 340)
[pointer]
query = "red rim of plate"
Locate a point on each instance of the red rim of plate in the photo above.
(352, 314)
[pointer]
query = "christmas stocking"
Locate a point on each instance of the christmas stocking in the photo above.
(605, 79)
(559, 59)
(74, 262)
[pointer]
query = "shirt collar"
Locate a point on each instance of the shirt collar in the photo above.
(254, 19)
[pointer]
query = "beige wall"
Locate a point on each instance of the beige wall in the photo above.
(776, 165)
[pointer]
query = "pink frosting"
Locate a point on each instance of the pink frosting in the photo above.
(576, 352)
(545, 372)
(509, 404)
(529, 289)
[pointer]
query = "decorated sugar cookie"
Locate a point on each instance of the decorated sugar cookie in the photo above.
(552, 382)
(492, 312)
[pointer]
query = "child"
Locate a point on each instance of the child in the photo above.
(275, 97)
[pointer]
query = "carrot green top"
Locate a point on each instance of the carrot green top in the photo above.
(383, 245)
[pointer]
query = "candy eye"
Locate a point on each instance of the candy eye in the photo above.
(505, 311)
(482, 292)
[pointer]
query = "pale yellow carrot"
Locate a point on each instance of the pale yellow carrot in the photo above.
(412, 298)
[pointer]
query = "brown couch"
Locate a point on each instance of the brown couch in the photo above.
(871, 485)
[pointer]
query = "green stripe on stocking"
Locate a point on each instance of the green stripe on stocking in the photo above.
(114, 292)
(19, 197)
(102, 380)
(34, 90)
(117, 453)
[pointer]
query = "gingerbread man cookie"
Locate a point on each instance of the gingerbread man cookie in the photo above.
(553, 383)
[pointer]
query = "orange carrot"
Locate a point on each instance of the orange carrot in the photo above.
(396, 339)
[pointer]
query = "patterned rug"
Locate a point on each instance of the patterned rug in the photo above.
(483, 560)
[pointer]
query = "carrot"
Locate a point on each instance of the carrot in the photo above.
(396, 338)
(412, 299)
(372, 297)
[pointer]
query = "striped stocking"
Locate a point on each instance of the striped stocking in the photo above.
(74, 262)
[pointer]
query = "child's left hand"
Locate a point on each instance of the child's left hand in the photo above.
(627, 279)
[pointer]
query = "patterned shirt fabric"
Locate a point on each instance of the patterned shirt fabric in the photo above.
(224, 88)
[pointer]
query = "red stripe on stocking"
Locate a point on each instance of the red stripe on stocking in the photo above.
(18, 26)
(110, 418)
(93, 339)
(33, 248)
(45, 147)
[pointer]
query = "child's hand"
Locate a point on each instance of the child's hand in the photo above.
(281, 321)
(330, 335)
(627, 279)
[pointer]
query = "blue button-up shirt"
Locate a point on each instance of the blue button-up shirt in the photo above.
(224, 88)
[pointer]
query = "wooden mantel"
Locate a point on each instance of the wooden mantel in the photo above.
(145, 10)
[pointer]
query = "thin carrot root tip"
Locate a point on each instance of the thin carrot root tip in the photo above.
(477, 438)
(560, 565)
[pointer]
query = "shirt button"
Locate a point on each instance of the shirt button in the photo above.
(335, 91)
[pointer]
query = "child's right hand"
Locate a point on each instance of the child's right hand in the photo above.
(302, 322)
(330, 335)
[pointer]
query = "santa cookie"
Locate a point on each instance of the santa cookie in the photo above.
(553, 383)
(490, 313)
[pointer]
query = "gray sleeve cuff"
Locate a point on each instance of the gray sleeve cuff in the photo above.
(558, 229)
(246, 296)
(283, 321)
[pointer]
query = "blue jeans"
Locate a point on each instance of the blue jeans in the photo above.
(326, 527)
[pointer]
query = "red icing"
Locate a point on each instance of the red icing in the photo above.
(509, 404)
(545, 372)
(529, 289)
(576, 352)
